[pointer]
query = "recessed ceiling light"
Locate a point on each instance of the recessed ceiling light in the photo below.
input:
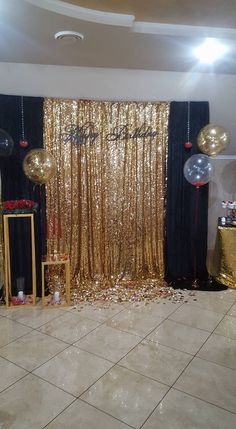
(68, 35)
(210, 51)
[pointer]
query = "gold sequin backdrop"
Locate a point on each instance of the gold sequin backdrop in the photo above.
(1, 242)
(106, 204)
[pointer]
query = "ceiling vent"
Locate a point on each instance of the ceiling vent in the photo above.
(68, 35)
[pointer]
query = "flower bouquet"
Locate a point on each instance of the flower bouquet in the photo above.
(18, 207)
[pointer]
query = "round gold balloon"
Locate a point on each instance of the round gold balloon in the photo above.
(212, 139)
(39, 166)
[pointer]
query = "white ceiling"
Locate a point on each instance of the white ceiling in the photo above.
(216, 13)
(115, 40)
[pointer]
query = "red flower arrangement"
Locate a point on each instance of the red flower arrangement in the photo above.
(19, 206)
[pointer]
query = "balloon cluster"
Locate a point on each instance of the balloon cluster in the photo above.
(211, 140)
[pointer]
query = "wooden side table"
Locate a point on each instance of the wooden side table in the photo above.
(66, 263)
(7, 257)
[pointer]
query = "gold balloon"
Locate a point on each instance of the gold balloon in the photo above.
(212, 139)
(39, 166)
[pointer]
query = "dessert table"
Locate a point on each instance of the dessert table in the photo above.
(227, 248)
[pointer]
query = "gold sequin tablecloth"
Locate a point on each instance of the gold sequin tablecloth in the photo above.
(227, 243)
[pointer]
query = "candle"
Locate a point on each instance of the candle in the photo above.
(20, 284)
(56, 297)
(21, 296)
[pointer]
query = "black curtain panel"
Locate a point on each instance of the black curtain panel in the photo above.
(15, 184)
(182, 236)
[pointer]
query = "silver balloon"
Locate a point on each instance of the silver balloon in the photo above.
(6, 144)
(198, 170)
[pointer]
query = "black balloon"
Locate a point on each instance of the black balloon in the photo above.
(6, 143)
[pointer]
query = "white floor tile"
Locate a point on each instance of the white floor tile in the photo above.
(9, 374)
(232, 311)
(227, 327)
(3, 310)
(108, 343)
(181, 411)
(73, 370)
(32, 350)
(31, 403)
(83, 416)
(210, 382)
(156, 361)
(212, 302)
(128, 396)
(10, 330)
(114, 397)
(136, 321)
(197, 317)
(70, 327)
(220, 350)
(179, 336)
(99, 312)
(33, 317)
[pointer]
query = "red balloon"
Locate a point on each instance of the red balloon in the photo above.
(24, 143)
(198, 184)
(188, 145)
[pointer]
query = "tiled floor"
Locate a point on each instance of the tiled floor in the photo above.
(164, 365)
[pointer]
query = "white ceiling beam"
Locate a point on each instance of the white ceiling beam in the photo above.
(84, 14)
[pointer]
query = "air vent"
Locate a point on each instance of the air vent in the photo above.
(68, 35)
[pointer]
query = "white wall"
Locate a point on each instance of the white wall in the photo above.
(221, 187)
(113, 84)
(117, 84)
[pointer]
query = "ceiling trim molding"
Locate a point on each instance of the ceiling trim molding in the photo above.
(84, 14)
(123, 20)
(182, 30)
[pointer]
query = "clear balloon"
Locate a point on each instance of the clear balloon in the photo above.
(212, 139)
(6, 143)
(198, 170)
(39, 166)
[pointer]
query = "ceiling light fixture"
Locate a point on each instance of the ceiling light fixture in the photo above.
(210, 51)
(68, 35)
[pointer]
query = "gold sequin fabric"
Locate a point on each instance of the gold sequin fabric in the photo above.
(1, 241)
(106, 204)
(227, 243)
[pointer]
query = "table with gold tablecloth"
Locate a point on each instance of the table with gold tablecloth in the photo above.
(227, 247)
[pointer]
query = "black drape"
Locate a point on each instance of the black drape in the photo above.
(15, 184)
(181, 234)
(180, 231)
